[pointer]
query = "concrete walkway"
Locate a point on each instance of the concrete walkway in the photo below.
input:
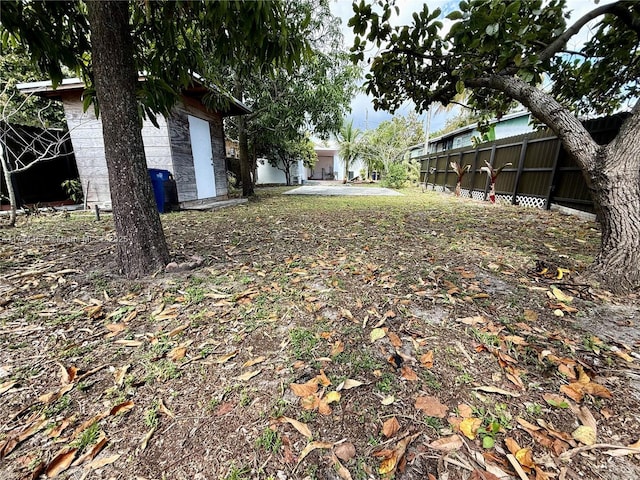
(344, 190)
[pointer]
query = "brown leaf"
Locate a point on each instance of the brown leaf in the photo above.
(299, 426)
(91, 452)
(146, 438)
(482, 475)
(394, 339)
(178, 330)
(60, 462)
(119, 374)
(337, 348)
(123, 407)
(102, 462)
(323, 407)
(511, 445)
(6, 386)
(447, 444)
(426, 360)
(431, 406)
(596, 390)
(114, 329)
(390, 427)
(254, 361)
(305, 389)
(345, 451)
(55, 433)
(224, 408)
(348, 384)
(478, 319)
(408, 374)
(129, 343)
(225, 358)
(248, 375)
(311, 447)
(178, 353)
(465, 410)
(340, 469)
(67, 374)
(573, 391)
(323, 379)
(162, 408)
(55, 395)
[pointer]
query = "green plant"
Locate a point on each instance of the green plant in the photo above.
(396, 176)
(303, 342)
(73, 189)
(237, 473)
(57, 407)
(88, 437)
(534, 409)
(385, 383)
(464, 378)
(151, 415)
(433, 422)
(269, 440)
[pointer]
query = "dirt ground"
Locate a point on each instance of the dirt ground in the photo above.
(414, 337)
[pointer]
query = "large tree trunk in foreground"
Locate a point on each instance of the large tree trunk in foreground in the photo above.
(615, 188)
(141, 246)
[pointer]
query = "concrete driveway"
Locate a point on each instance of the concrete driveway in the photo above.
(345, 190)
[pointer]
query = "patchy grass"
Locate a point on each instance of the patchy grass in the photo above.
(424, 308)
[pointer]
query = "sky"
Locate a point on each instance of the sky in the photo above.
(362, 112)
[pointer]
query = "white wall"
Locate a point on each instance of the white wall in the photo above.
(268, 174)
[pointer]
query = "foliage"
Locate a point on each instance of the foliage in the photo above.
(506, 52)
(348, 145)
(288, 151)
(73, 189)
(390, 141)
(396, 176)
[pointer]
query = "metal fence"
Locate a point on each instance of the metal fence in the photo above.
(541, 172)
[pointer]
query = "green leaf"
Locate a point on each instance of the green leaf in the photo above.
(488, 442)
(460, 87)
(456, 15)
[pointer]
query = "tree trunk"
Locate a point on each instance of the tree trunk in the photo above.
(141, 246)
(615, 188)
(243, 150)
(10, 191)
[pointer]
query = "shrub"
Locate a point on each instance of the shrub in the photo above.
(396, 176)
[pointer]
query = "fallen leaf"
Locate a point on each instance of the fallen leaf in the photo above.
(408, 374)
(349, 384)
(129, 343)
(530, 315)
(394, 339)
(597, 390)
(560, 295)
(123, 407)
(305, 389)
(178, 330)
(177, 353)
(377, 334)
(345, 451)
(388, 400)
(469, 427)
(525, 457)
(6, 386)
(431, 406)
(92, 451)
(55, 395)
(57, 431)
(447, 444)
(323, 407)
(478, 319)
(254, 361)
(146, 438)
(299, 426)
(114, 329)
(337, 348)
(162, 408)
(482, 475)
(584, 434)
(492, 389)
(248, 375)
(390, 427)
(340, 469)
(67, 374)
(323, 379)
(224, 408)
(426, 359)
(311, 447)
(389, 465)
(225, 358)
(465, 410)
(573, 391)
(119, 374)
(555, 400)
(60, 462)
(102, 462)
(332, 397)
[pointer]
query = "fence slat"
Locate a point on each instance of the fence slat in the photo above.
(523, 153)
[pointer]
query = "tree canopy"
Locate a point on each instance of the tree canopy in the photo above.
(506, 51)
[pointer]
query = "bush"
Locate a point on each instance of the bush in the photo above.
(396, 176)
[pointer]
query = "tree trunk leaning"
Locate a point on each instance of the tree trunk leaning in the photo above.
(141, 246)
(10, 191)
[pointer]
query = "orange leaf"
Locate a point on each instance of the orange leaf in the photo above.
(60, 462)
(573, 391)
(337, 348)
(394, 339)
(597, 390)
(447, 444)
(426, 360)
(408, 374)
(122, 408)
(310, 403)
(305, 389)
(177, 353)
(323, 379)
(465, 410)
(512, 445)
(390, 427)
(431, 406)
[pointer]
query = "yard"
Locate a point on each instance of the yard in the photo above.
(413, 337)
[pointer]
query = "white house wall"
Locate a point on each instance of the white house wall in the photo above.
(267, 174)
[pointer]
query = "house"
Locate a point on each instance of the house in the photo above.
(189, 143)
(510, 125)
(330, 166)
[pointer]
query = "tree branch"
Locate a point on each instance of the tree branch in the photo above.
(575, 138)
(558, 44)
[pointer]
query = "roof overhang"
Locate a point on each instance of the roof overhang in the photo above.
(197, 90)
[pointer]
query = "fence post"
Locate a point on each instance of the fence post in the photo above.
(554, 173)
(523, 153)
(473, 173)
(493, 156)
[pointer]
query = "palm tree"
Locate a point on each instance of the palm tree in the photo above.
(348, 138)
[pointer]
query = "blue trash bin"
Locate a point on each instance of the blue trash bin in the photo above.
(158, 178)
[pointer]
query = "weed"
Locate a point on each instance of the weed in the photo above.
(162, 370)
(88, 437)
(308, 416)
(194, 295)
(485, 338)
(430, 380)
(534, 409)
(302, 343)
(385, 384)
(245, 398)
(58, 407)
(151, 415)
(433, 422)
(269, 440)
(464, 379)
(237, 473)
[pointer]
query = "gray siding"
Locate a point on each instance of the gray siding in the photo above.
(219, 155)
(184, 174)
